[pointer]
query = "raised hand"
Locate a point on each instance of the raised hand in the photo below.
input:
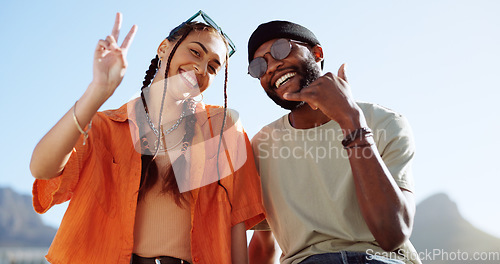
(110, 61)
(332, 95)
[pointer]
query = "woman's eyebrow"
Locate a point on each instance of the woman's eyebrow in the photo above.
(206, 51)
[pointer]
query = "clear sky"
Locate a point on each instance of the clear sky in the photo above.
(436, 62)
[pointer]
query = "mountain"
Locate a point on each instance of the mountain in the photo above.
(442, 235)
(20, 225)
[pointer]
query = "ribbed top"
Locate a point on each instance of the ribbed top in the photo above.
(161, 227)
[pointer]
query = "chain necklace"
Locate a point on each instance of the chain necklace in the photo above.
(166, 132)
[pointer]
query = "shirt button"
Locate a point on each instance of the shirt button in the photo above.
(196, 259)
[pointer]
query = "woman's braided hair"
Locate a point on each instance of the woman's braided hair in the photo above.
(149, 172)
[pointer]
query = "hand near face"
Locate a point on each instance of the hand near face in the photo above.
(331, 94)
(110, 61)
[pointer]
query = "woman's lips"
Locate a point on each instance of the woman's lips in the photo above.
(189, 79)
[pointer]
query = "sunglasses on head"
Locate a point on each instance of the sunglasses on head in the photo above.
(280, 49)
(210, 22)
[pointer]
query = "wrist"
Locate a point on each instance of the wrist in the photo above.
(352, 122)
(364, 141)
(96, 94)
(351, 118)
(356, 135)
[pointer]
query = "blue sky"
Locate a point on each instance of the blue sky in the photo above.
(436, 62)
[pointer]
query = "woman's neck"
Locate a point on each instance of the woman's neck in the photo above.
(172, 108)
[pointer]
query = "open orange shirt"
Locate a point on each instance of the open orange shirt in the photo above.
(102, 179)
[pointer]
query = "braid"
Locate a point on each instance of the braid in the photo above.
(225, 83)
(180, 162)
(190, 106)
(222, 130)
(151, 72)
(167, 69)
(149, 173)
(170, 180)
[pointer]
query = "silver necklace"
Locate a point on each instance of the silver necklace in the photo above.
(166, 132)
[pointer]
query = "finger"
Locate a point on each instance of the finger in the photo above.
(293, 96)
(329, 75)
(129, 38)
(300, 97)
(102, 45)
(341, 72)
(112, 42)
(116, 28)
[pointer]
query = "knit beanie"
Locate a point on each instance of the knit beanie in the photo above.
(279, 29)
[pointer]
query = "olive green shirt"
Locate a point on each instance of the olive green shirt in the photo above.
(308, 187)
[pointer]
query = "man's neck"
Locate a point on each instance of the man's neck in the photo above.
(305, 117)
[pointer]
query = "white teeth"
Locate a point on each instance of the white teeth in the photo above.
(283, 79)
(190, 79)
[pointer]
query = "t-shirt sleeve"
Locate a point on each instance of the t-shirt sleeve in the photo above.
(247, 193)
(397, 149)
(255, 150)
(47, 193)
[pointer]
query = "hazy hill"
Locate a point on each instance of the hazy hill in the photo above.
(439, 227)
(20, 226)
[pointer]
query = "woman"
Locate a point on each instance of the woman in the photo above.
(153, 181)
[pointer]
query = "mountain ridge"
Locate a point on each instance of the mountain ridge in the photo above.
(20, 225)
(440, 228)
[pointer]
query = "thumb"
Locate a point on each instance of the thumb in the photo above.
(341, 73)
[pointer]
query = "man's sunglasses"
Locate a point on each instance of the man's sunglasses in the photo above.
(280, 49)
(210, 22)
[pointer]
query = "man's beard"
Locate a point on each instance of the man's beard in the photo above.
(309, 72)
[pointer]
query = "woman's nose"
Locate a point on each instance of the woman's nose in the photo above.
(200, 68)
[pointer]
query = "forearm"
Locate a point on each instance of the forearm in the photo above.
(52, 152)
(386, 210)
(239, 252)
(261, 249)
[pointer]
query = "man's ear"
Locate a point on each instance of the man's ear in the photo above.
(317, 52)
(163, 48)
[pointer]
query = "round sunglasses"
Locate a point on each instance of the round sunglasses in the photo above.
(280, 49)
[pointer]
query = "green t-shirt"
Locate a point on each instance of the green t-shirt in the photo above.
(308, 187)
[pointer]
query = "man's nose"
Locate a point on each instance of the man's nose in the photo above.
(272, 63)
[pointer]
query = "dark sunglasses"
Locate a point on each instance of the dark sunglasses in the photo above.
(211, 23)
(280, 49)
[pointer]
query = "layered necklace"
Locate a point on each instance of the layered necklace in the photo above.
(165, 133)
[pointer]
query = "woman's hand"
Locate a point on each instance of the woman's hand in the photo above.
(53, 151)
(110, 61)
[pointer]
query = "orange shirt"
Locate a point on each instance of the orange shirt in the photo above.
(101, 180)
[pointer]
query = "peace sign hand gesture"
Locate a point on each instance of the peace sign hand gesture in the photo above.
(110, 61)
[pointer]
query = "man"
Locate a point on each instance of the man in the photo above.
(336, 173)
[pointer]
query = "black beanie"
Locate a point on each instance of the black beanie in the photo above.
(279, 29)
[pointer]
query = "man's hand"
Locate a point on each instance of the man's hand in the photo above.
(332, 95)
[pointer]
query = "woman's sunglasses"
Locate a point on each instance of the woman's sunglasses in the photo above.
(210, 22)
(280, 49)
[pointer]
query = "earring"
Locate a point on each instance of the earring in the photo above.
(197, 101)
